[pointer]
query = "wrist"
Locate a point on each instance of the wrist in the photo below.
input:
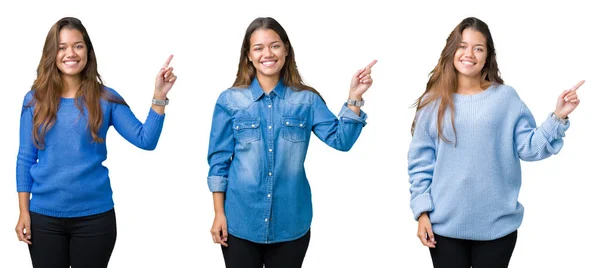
(159, 96)
(560, 118)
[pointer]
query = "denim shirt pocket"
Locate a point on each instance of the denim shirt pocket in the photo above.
(246, 130)
(294, 128)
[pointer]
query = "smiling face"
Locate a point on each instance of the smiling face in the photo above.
(71, 57)
(470, 57)
(267, 53)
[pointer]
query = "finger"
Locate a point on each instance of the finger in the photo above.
(563, 94)
(431, 236)
(422, 237)
(359, 72)
(172, 79)
(575, 101)
(371, 64)
(162, 72)
(168, 72)
(168, 61)
(28, 231)
(571, 95)
(577, 86)
(215, 236)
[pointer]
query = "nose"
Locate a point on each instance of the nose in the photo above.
(469, 52)
(268, 52)
(70, 52)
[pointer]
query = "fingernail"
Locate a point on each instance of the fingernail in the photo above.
(566, 99)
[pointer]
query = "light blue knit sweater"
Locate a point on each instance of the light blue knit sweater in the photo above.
(471, 188)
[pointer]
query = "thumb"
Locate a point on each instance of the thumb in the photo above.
(28, 230)
(563, 94)
(225, 234)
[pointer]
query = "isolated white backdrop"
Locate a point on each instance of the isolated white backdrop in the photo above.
(361, 199)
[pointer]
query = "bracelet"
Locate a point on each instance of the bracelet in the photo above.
(357, 103)
(160, 102)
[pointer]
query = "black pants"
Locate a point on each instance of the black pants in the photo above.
(82, 242)
(242, 253)
(458, 253)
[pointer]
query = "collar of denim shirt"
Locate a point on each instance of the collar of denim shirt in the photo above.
(258, 92)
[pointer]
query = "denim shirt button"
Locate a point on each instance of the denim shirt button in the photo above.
(269, 195)
(266, 220)
(287, 123)
(269, 127)
(270, 173)
(270, 150)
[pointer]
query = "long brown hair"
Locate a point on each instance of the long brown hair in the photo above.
(443, 81)
(48, 85)
(246, 71)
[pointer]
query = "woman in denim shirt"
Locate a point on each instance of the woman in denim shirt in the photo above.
(258, 143)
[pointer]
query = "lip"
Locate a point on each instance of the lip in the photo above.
(70, 63)
(468, 63)
(268, 63)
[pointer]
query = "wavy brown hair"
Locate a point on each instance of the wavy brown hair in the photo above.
(246, 71)
(48, 85)
(443, 81)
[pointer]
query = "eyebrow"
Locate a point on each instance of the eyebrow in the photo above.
(78, 42)
(277, 41)
(463, 42)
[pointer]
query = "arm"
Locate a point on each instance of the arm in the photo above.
(26, 158)
(421, 163)
(220, 147)
(220, 153)
(534, 143)
(145, 136)
(342, 134)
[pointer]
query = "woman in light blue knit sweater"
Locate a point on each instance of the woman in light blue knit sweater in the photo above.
(65, 199)
(469, 134)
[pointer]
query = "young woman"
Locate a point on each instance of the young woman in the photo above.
(259, 138)
(69, 220)
(469, 134)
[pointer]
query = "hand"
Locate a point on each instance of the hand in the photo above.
(219, 230)
(567, 101)
(164, 80)
(424, 231)
(361, 81)
(23, 228)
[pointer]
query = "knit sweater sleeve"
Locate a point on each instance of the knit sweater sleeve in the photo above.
(142, 135)
(537, 143)
(421, 162)
(27, 155)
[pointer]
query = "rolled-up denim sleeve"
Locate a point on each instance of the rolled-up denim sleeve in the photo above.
(221, 146)
(339, 133)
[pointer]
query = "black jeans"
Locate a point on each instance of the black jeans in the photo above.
(242, 253)
(459, 253)
(82, 242)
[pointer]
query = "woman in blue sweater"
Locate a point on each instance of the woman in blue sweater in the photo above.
(470, 132)
(260, 132)
(65, 199)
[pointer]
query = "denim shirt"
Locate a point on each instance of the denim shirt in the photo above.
(258, 144)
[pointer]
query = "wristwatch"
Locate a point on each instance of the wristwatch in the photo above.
(357, 103)
(560, 120)
(160, 102)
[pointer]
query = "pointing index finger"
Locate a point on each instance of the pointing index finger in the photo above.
(577, 86)
(166, 65)
(371, 64)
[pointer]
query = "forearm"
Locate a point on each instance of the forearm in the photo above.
(24, 202)
(219, 202)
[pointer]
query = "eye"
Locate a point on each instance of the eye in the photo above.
(79, 46)
(257, 48)
(276, 46)
(462, 47)
(479, 49)
(62, 48)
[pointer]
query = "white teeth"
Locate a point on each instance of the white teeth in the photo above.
(467, 62)
(268, 63)
(70, 63)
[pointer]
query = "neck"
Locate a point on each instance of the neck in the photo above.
(268, 83)
(71, 85)
(470, 85)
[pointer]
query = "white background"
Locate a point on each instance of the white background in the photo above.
(361, 199)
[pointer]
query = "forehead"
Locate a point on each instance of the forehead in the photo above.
(261, 36)
(67, 35)
(472, 36)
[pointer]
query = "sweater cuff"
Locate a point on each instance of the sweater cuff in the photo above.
(349, 115)
(217, 183)
(24, 188)
(152, 115)
(553, 129)
(421, 203)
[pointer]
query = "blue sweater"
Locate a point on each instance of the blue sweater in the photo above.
(67, 178)
(470, 190)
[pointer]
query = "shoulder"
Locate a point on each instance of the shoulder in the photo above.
(110, 92)
(235, 97)
(301, 96)
(28, 97)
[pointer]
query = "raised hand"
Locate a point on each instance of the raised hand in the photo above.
(567, 101)
(164, 80)
(361, 81)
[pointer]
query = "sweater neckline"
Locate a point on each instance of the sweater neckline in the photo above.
(477, 96)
